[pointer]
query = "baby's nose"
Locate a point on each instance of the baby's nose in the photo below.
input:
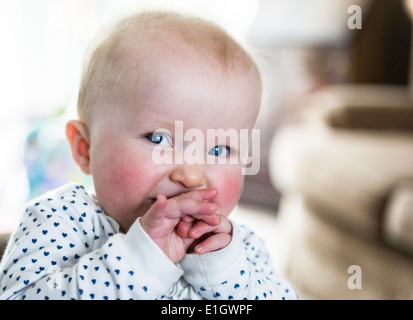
(190, 176)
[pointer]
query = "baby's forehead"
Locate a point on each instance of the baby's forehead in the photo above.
(178, 35)
(148, 61)
(139, 45)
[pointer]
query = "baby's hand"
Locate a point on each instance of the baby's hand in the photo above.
(162, 219)
(207, 237)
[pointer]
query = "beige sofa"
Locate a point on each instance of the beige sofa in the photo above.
(348, 166)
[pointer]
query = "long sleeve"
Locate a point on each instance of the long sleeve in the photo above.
(242, 270)
(66, 248)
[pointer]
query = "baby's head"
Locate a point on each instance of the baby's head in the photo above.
(152, 71)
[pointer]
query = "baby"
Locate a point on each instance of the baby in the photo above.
(150, 231)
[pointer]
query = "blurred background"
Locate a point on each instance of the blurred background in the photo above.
(335, 181)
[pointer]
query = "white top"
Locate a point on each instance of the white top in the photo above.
(66, 247)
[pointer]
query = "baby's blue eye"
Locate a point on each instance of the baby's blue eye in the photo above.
(219, 151)
(158, 138)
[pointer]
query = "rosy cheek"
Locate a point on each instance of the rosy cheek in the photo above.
(118, 177)
(229, 192)
(134, 182)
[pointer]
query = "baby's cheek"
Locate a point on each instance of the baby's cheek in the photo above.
(118, 182)
(229, 193)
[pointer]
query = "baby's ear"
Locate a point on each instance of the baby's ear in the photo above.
(78, 136)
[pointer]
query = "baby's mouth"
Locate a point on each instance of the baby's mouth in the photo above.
(152, 200)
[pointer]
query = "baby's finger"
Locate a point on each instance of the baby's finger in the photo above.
(188, 219)
(213, 243)
(200, 195)
(211, 220)
(203, 227)
(195, 208)
(183, 228)
(154, 217)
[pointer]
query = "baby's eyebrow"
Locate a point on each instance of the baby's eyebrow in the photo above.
(160, 126)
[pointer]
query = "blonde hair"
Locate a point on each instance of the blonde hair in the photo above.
(102, 73)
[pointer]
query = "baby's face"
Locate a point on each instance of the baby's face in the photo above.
(157, 91)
